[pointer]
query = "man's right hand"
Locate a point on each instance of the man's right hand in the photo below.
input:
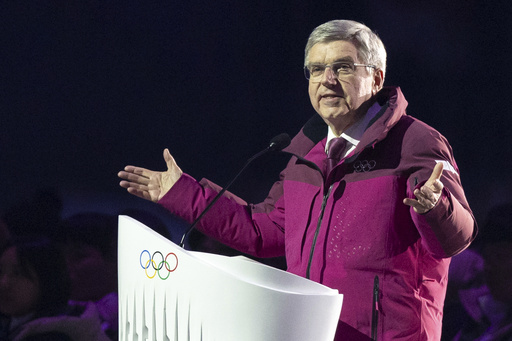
(148, 184)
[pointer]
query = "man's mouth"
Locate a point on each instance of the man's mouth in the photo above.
(330, 98)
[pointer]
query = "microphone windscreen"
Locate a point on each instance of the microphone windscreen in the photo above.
(279, 142)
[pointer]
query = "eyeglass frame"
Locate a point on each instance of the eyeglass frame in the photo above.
(337, 74)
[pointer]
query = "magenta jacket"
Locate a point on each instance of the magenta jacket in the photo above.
(346, 228)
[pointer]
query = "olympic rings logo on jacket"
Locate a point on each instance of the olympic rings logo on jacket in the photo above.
(164, 264)
(364, 166)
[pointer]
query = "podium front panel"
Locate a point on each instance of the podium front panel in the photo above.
(171, 294)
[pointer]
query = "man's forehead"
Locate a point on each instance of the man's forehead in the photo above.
(339, 50)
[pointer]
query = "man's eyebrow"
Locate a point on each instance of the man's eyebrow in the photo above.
(344, 59)
(339, 60)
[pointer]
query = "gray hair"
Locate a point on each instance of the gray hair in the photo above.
(369, 46)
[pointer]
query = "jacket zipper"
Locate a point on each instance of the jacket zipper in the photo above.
(317, 231)
(324, 203)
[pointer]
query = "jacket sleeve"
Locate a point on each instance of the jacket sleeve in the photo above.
(253, 229)
(449, 227)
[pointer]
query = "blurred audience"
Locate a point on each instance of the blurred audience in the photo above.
(34, 293)
(89, 242)
(484, 280)
(465, 285)
(84, 274)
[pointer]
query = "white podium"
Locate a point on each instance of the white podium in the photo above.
(168, 293)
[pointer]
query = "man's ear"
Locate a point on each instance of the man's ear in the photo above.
(378, 80)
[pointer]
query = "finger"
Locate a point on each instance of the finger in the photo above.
(437, 186)
(430, 191)
(130, 169)
(436, 174)
(425, 198)
(425, 193)
(438, 171)
(418, 206)
(139, 171)
(415, 204)
(133, 185)
(409, 202)
(139, 193)
(134, 178)
(124, 174)
(124, 184)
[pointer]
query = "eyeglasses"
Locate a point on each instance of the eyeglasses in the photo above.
(314, 72)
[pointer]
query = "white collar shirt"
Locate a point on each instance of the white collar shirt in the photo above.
(354, 133)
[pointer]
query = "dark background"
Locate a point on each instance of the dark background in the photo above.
(89, 87)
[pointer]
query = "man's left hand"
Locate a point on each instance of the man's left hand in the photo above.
(427, 195)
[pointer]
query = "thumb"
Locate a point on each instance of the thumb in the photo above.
(434, 182)
(173, 172)
(169, 160)
(436, 173)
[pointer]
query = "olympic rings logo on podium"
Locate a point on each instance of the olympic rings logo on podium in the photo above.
(166, 264)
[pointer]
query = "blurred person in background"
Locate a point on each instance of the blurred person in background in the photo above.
(488, 299)
(34, 294)
(89, 244)
(89, 240)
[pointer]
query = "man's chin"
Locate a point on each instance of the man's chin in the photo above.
(336, 116)
(338, 120)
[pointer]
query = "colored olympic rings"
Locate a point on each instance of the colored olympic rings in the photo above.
(161, 264)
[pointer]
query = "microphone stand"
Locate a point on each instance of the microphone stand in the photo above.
(276, 144)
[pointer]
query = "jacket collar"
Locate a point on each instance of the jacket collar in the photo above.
(393, 105)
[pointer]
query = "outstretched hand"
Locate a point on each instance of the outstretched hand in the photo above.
(148, 184)
(428, 195)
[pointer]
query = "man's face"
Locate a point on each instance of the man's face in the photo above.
(340, 101)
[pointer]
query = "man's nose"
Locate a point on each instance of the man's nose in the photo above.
(329, 77)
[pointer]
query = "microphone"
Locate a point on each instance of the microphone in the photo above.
(277, 144)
